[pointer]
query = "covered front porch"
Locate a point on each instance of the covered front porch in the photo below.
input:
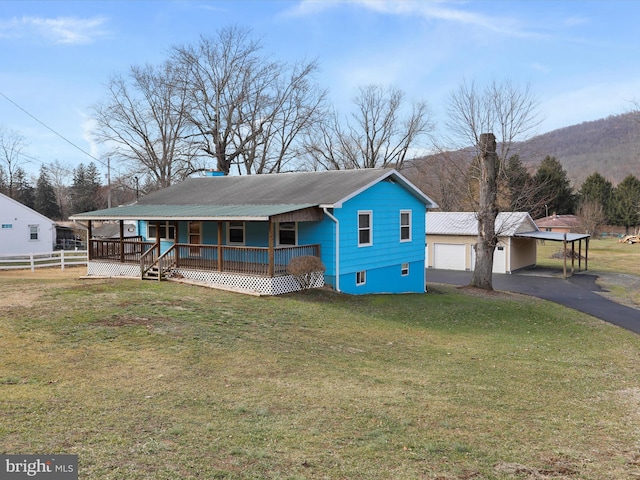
(206, 258)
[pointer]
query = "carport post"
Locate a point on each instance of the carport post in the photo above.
(564, 259)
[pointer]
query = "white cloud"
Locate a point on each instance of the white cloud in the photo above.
(428, 10)
(60, 30)
(588, 103)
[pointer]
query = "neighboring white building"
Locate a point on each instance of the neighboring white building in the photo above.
(23, 230)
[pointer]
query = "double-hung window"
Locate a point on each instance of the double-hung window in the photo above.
(287, 233)
(33, 232)
(365, 228)
(405, 225)
(162, 230)
(235, 233)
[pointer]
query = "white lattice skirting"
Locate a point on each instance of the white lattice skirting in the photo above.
(247, 283)
(104, 269)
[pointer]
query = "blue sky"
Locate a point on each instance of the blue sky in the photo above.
(582, 57)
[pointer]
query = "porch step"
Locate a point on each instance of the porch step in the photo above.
(152, 274)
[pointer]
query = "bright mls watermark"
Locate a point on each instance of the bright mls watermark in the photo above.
(48, 467)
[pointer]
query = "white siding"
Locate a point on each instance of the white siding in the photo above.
(16, 221)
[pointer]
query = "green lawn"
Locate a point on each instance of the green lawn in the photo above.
(167, 381)
(606, 256)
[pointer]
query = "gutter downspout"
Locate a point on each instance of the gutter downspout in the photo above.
(335, 220)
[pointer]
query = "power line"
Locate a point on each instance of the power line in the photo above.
(51, 129)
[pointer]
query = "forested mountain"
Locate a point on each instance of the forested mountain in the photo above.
(610, 146)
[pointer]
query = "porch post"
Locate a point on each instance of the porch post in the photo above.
(271, 249)
(89, 243)
(121, 241)
(158, 246)
(177, 240)
(219, 246)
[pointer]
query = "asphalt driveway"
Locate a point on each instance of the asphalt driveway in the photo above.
(577, 292)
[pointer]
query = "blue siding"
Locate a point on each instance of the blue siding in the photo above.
(383, 259)
(386, 279)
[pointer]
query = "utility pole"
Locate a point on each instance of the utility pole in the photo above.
(108, 182)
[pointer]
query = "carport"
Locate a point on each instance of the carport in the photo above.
(566, 239)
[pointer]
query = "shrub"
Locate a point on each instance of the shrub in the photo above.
(307, 270)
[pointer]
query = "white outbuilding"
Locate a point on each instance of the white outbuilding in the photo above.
(452, 236)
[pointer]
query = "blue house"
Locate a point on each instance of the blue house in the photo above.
(240, 232)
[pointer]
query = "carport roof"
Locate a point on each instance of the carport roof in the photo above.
(554, 236)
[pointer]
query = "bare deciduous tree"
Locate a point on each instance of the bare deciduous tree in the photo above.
(246, 110)
(60, 176)
(379, 133)
(144, 123)
(490, 120)
(11, 157)
(592, 217)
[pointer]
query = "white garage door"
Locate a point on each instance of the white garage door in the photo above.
(499, 259)
(449, 257)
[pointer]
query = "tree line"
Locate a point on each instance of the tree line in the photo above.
(223, 104)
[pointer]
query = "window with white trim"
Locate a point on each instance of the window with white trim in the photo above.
(405, 225)
(287, 233)
(365, 228)
(33, 232)
(361, 277)
(404, 269)
(167, 231)
(235, 233)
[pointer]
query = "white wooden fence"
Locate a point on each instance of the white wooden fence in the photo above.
(57, 258)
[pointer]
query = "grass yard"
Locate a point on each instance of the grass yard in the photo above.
(606, 256)
(156, 380)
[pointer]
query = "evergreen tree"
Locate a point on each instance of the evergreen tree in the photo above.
(23, 191)
(597, 190)
(554, 187)
(625, 205)
(85, 191)
(45, 197)
(518, 182)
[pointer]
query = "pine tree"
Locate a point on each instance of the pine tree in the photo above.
(554, 187)
(597, 190)
(85, 191)
(45, 201)
(23, 191)
(626, 203)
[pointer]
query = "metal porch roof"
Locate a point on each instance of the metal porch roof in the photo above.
(191, 212)
(554, 236)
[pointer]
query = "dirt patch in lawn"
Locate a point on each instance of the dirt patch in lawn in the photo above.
(14, 294)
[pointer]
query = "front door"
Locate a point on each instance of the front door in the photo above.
(195, 229)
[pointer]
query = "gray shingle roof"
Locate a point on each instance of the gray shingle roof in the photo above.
(254, 196)
(317, 188)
